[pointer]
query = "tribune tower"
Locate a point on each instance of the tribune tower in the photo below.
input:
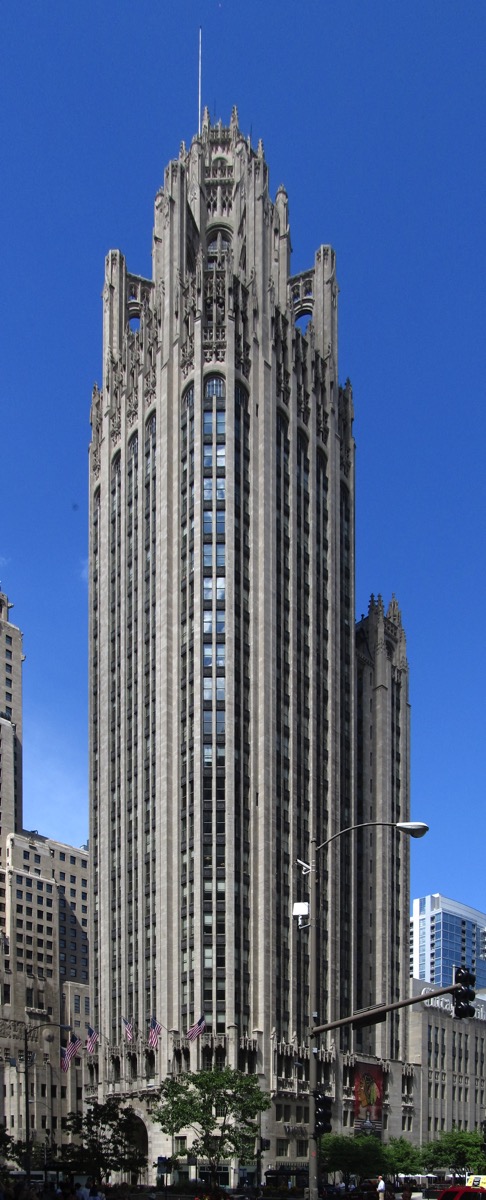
(222, 661)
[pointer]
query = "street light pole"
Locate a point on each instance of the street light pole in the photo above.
(414, 829)
(28, 1139)
(28, 1143)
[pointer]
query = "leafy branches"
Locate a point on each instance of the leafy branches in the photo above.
(107, 1139)
(219, 1107)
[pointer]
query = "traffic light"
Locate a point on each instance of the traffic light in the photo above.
(465, 994)
(323, 1113)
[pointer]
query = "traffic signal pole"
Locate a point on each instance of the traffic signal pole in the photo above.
(365, 1016)
(412, 829)
(313, 1029)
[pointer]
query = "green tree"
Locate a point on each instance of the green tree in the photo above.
(219, 1107)
(361, 1156)
(6, 1145)
(456, 1149)
(106, 1140)
(401, 1156)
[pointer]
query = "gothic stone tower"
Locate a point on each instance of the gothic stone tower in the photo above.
(221, 630)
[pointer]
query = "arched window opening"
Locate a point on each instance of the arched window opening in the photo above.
(214, 387)
(149, 1064)
(188, 397)
(219, 243)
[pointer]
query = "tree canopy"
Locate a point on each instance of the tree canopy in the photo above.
(403, 1157)
(107, 1139)
(361, 1156)
(219, 1107)
(456, 1149)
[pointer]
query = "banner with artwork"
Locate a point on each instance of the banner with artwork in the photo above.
(368, 1099)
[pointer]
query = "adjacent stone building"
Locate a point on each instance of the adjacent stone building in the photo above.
(11, 659)
(44, 957)
(451, 1054)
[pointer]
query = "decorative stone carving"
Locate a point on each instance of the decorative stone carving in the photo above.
(16, 1029)
(132, 407)
(187, 357)
(96, 426)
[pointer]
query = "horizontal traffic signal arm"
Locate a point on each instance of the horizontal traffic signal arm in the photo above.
(371, 1016)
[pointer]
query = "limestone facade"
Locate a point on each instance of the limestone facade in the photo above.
(223, 670)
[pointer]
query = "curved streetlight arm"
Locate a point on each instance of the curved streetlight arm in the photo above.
(415, 829)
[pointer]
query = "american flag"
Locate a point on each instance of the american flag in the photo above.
(68, 1052)
(91, 1040)
(128, 1029)
(196, 1029)
(154, 1033)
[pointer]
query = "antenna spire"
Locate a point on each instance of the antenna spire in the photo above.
(199, 81)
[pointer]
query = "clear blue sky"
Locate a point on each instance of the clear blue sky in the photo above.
(372, 113)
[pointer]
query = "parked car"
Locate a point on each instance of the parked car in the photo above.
(460, 1191)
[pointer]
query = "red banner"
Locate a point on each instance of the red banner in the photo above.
(368, 1099)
